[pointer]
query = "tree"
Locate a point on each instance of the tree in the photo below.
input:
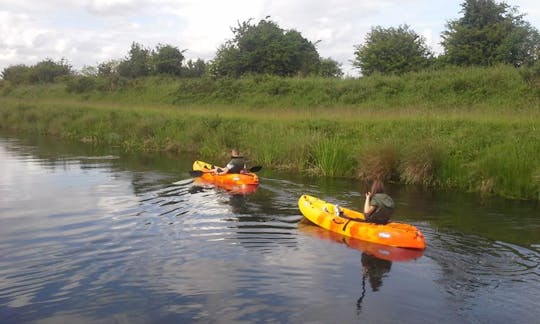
(107, 69)
(89, 71)
(194, 68)
(49, 71)
(330, 68)
(490, 33)
(43, 72)
(137, 64)
(17, 74)
(167, 59)
(392, 51)
(265, 48)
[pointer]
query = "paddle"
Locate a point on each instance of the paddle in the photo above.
(198, 173)
(256, 168)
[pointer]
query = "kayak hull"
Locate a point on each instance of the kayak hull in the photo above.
(238, 182)
(352, 224)
(242, 189)
(384, 252)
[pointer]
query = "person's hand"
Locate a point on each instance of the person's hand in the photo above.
(368, 195)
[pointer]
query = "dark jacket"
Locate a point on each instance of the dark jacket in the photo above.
(236, 164)
(384, 208)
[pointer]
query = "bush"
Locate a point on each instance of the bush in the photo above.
(81, 84)
(46, 71)
(17, 74)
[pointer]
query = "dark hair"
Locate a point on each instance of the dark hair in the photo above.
(377, 187)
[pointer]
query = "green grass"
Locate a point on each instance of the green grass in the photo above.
(468, 129)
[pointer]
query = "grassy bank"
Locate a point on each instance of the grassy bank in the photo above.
(473, 129)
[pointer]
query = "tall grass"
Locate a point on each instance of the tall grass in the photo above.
(473, 88)
(470, 129)
(329, 157)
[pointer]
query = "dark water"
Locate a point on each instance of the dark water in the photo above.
(89, 235)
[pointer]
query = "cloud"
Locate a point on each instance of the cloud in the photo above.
(114, 7)
(88, 32)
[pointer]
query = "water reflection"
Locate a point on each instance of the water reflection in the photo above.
(373, 269)
(94, 236)
(234, 189)
(239, 204)
(376, 259)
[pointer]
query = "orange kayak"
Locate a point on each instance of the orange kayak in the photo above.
(351, 223)
(384, 252)
(241, 182)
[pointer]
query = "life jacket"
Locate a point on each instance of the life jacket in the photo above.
(236, 164)
(384, 208)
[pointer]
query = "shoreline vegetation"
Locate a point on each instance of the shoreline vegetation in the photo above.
(472, 129)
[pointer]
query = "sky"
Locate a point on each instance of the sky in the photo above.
(90, 32)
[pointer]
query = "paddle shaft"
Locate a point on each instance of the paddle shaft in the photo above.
(198, 173)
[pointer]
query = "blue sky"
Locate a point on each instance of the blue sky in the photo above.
(89, 32)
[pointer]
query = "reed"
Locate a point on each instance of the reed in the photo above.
(471, 129)
(329, 157)
(378, 161)
(419, 162)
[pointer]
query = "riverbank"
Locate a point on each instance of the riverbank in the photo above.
(489, 146)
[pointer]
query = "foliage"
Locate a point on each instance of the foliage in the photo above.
(490, 33)
(265, 48)
(492, 89)
(443, 89)
(46, 71)
(379, 160)
(468, 128)
(167, 59)
(141, 62)
(392, 51)
(17, 74)
(466, 151)
(108, 68)
(194, 69)
(330, 158)
(137, 64)
(531, 75)
(330, 68)
(80, 84)
(49, 71)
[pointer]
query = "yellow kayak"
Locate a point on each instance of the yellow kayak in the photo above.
(352, 224)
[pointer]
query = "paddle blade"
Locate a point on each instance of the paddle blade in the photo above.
(255, 168)
(195, 173)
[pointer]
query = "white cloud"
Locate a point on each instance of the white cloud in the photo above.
(112, 6)
(88, 32)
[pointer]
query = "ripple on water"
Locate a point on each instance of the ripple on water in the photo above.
(484, 273)
(132, 247)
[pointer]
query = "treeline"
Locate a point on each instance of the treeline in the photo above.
(488, 34)
(140, 62)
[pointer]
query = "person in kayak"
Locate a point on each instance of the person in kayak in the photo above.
(378, 206)
(237, 164)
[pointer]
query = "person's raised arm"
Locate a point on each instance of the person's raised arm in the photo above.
(368, 209)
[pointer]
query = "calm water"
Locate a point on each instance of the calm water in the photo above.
(90, 235)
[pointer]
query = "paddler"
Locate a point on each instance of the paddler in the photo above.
(378, 206)
(237, 164)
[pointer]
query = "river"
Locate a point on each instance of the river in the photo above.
(92, 235)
